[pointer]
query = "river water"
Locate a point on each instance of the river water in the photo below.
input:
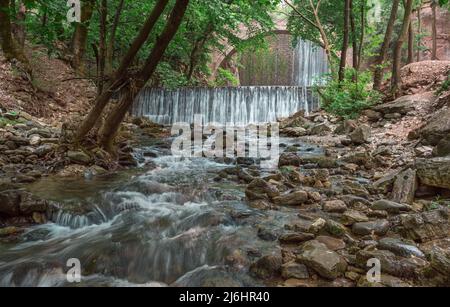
(168, 222)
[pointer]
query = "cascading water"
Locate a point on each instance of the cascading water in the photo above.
(310, 64)
(243, 105)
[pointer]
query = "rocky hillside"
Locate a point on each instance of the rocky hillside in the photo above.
(380, 190)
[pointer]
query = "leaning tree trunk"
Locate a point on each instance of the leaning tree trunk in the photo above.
(345, 40)
(434, 31)
(396, 67)
(120, 76)
(378, 73)
(81, 34)
(115, 118)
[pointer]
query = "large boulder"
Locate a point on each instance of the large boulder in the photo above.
(404, 104)
(437, 128)
(434, 172)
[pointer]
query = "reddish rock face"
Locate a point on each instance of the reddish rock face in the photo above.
(443, 32)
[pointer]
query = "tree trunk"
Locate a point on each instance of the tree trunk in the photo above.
(396, 67)
(363, 32)
(102, 45)
(115, 118)
(410, 43)
(345, 40)
(197, 49)
(434, 31)
(419, 30)
(378, 74)
(81, 34)
(5, 30)
(112, 39)
(20, 20)
(120, 76)
(354, 38)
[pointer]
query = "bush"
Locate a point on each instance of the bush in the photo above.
(348, 98)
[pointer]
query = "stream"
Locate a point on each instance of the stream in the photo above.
(167, 222)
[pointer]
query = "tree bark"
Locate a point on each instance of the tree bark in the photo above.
(5, 30)
(419, 30)
(120, 76)
(354, 38)
(396, 67)
(345, 42)
(102, 45)
(81, 34)
(363, 32)
(434, 31)
(112, 39)
(378, 73)
(115, 118)
(19, 25)
(410, 43)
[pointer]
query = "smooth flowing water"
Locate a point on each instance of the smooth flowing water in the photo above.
(171, 223)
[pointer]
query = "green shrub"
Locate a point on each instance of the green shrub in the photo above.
(445, 86)
(348, 98)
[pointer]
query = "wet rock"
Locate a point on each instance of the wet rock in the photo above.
(294, 270)
(289, 159)
(351, 217)
(260, 204)
(9, 203)
(295, 198)
(317, 225)
(392, 264)
(333, 244)
(361, 135)
(405, 187)
(9, 231)
(389, 206)
(325, 262)
(260, 189)
(334, 228)
(361, 158)
(267, 267)
(30, 204)
(267, 234)
(296, 238)
(45, 149)
(335, 206)
(79, 157)
(24, 179)
(427, 226)
(379, 227)
(434, 172)
(400, 248)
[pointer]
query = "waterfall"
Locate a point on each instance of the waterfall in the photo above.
(239, 105)
(310, 63)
